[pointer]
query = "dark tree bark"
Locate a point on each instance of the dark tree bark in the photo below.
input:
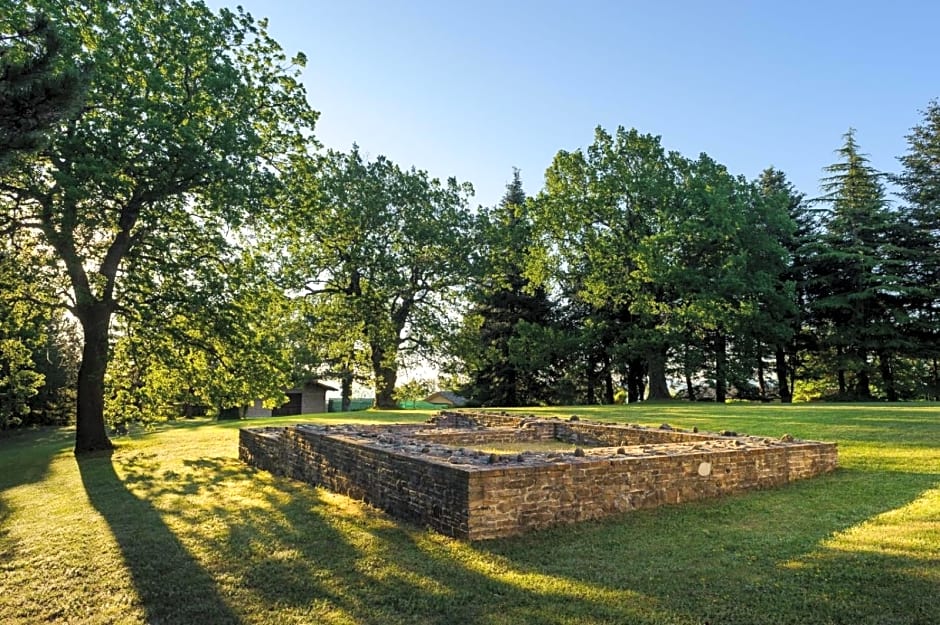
(385, 393)
(887, 376)
(761, 382)
(721, 367)
(385, 355)
(385, 377)
(862, 380)
(608, 386)
(936, 381)
(934, 391)
(658, 389)
(783, 383)
(346, 382)
(634, 380)
(90, 434)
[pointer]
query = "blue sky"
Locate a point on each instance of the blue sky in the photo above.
(472, 89)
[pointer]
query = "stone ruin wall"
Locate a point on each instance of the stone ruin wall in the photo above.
(418, 473)
(427, 493)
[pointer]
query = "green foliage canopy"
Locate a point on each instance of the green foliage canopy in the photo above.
(390, 247)
(185, 122)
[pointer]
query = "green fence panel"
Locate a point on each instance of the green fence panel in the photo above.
(356, 403)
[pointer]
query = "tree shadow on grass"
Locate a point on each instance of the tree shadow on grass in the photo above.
(301, 554)
(305, 554)
(763, 558)
(309, 556)
(6, 551)
(172, 586)
(25, 456)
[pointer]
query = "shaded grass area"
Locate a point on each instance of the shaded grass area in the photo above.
(172, 528)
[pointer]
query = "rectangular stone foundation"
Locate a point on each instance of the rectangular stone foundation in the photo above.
(430, 475)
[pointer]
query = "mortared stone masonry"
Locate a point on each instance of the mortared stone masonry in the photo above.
(431, 474)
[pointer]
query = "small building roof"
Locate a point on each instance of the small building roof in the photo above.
(449, 396)
(308, 383)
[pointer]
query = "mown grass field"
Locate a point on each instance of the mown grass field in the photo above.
(172, 528)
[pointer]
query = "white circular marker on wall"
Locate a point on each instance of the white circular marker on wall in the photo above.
(705, 469)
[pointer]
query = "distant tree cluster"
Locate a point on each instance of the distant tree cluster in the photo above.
(176, 242)
(669, 276)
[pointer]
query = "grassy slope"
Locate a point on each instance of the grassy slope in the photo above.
(173, 529)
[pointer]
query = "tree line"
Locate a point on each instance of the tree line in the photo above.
(667, 276)
(161, 181)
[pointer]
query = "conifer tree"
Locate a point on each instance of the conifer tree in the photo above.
(920, 189)
(856, 272)
(775, 188)
(39, 85)
(505, 303)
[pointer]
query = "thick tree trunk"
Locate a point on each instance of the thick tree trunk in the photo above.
(862, 385)
(608, 386)
(935, 391)
(634, 381)
(90, 433)
(689, 387)
(887, 376)
(658, 389)
(512, 384)
(721, 368)
(384, 376)
(862, 380)
(346, 390)
(783, 383)
(590, 395)
(385, 388)
(761, 382)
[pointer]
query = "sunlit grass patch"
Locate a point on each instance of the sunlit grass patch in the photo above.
(172, 528)
(533, 446)
(911, 531)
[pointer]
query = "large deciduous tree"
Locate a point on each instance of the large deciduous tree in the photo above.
(390, 248)
(671, 256)
(596, 209)
(718, 259)
(220, 341)
(181, 128)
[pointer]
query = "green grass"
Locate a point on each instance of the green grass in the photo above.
(534, 446)
(172, 528)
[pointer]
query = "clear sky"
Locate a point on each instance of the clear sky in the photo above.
(471, 89)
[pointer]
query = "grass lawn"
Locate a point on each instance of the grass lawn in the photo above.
(515, 448)
(172, 529)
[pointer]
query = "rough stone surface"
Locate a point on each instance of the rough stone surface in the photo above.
(431, 474)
